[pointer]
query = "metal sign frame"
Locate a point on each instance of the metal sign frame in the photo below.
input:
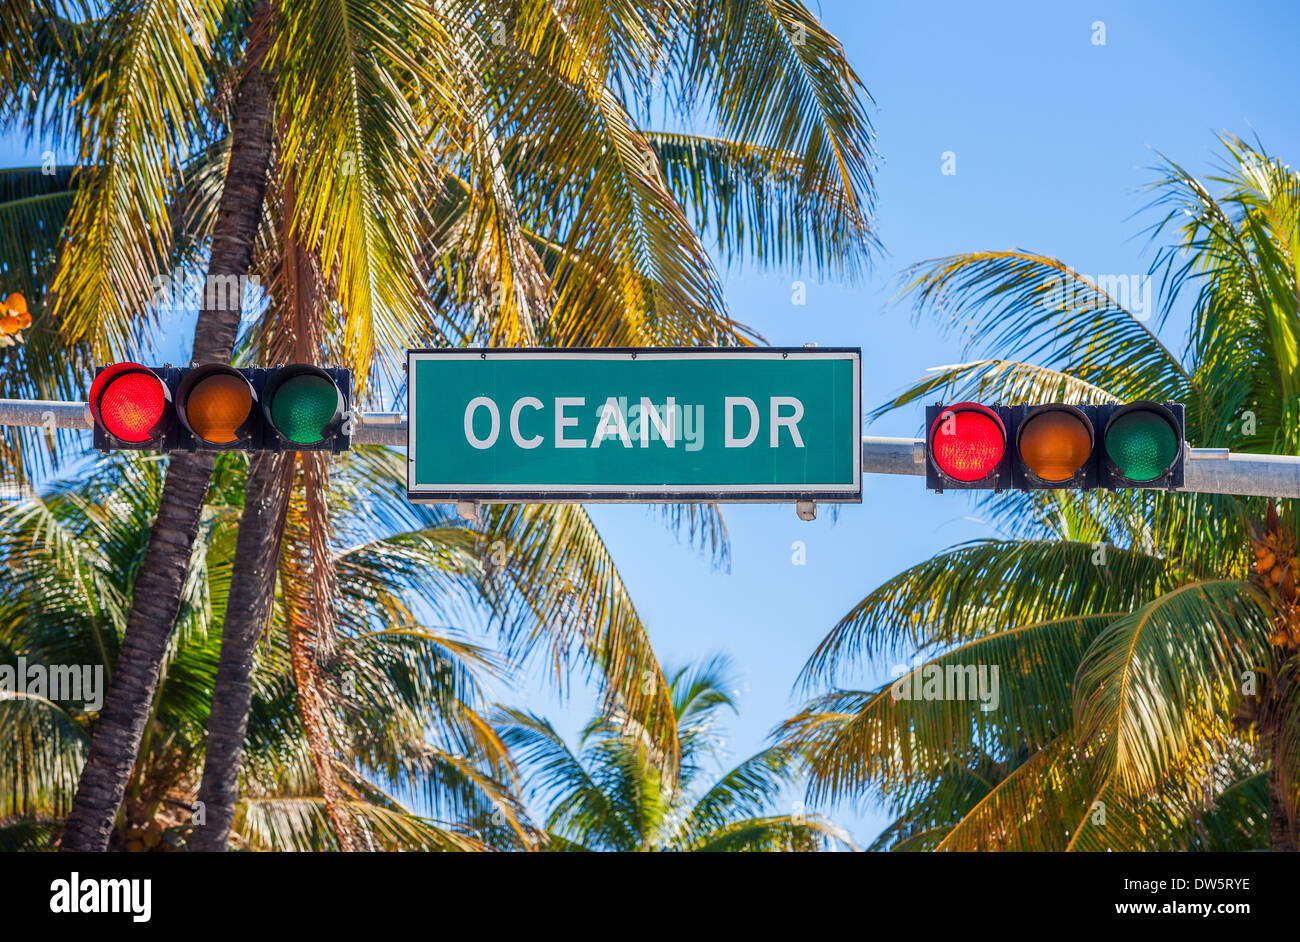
(621, 493)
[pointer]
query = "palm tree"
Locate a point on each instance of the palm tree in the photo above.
(1148, 692)
(616, 794)
(405, 693)
(485, 177)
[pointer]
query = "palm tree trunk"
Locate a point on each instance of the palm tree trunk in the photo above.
(309, 591)
(1281, 829)
(116, 742)
(299, 336)
(311, 707)
(247, 608)
(1281, 802)
(156, 600)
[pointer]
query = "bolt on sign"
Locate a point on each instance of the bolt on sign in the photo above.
(621, 424)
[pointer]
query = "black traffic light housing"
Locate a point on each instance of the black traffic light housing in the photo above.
(247, 436)
(337, 431)
(1080, 444)
(162, 436)
(174, 429)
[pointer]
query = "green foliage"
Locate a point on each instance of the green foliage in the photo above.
(406, 694)
(616, 793)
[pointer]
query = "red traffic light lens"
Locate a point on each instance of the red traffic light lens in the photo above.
(131, 405)
(967, 441)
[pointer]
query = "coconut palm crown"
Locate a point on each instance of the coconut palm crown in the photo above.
(615, 793)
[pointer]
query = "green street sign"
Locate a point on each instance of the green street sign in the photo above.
(622, 424)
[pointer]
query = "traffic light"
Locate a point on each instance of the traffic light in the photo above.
(1054, 447)
(216, 407)
(970, 446)
(306, 407)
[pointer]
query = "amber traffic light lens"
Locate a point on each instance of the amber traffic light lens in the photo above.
(1055, 444)
(217, 406)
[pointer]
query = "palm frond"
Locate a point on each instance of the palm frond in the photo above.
(28, 835)
(348, 72)
(300, 823)
(582, 811)
(1152, 682)
(755, 202)
(777, 833)
(142, 110)
(745, 791)
(41, 364)
(992, 695)
(774, 78)
(982, 587)
(1020, 305)
(997, 381)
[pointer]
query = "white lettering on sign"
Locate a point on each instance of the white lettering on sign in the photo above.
(644, 422)
(479, 402)
(611, 415)
(789, 421)
(533, 403)
(731, 440)
(563, 421)
(650, 414)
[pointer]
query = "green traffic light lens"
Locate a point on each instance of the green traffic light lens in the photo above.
(1142, 445)
(302, 406)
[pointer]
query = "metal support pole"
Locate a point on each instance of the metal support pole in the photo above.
(892, 455)
(380, 428)
(1216, 471)
(38, 414)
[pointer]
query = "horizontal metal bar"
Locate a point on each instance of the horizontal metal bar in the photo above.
(44, 414)
(1245, 475)
(1208, 471)
(892, 455)
(384, 418)
(372, 428)
(375, 428)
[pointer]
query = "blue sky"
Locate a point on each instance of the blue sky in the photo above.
(1051, 135)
